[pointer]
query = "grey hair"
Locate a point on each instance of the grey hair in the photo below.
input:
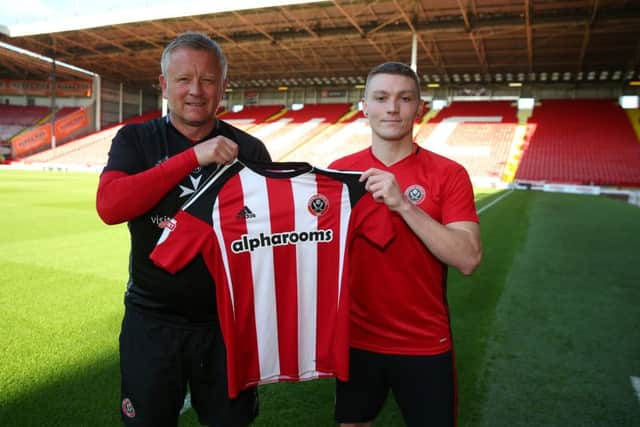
(396, 68)
(193, 40)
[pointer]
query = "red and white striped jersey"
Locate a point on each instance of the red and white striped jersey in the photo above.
(274, 237)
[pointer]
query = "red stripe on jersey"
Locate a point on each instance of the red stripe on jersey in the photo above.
(329, 279)
(233, 227)
(285, 275)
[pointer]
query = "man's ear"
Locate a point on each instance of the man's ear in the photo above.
(163, 85)
(223, 90)
(421, 108)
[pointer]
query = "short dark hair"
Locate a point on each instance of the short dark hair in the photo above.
(397, 68)
(194, 40)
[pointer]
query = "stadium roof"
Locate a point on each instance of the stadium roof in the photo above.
(272, 43)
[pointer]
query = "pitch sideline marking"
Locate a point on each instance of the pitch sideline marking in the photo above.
(187, 400)
(493, 202)
(635, 383)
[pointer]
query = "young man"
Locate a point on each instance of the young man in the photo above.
(400, 331)
(170, 338)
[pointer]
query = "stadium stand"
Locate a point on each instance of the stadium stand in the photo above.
(564, 141)
(580, 142)
(250, 115)
(290, 130)
(89, 151)
(65, 111)
(349, 135)
(476, 134)
(22, 115)
(16, 118)
(352, 133)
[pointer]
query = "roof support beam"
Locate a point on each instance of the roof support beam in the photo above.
(478, 45)
(529, 32)
(363, 34)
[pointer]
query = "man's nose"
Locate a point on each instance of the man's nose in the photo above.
(195, 86)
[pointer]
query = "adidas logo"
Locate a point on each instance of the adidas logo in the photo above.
(245, 213)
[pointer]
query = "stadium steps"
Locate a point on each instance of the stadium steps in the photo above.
(251, 116)
(479, 135)
(289, 131)
(634, 119)
(88, 151)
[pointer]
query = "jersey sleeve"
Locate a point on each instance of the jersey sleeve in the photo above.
(183, 238)
(459, 204)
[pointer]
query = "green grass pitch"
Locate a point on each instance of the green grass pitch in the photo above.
(545, 332)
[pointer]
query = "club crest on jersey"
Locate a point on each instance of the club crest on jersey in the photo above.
(318, 204)
(415, 193)
(127, 408)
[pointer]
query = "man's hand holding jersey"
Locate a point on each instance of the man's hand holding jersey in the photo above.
(219, 149)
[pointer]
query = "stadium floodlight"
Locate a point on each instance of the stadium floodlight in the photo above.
(629, 102)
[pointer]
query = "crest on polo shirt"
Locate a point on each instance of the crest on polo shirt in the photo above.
(127, 408)
(415, 193)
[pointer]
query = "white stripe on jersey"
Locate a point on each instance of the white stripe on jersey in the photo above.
(215, 219)
(344, 225)
(254, 188)
(307, 276)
